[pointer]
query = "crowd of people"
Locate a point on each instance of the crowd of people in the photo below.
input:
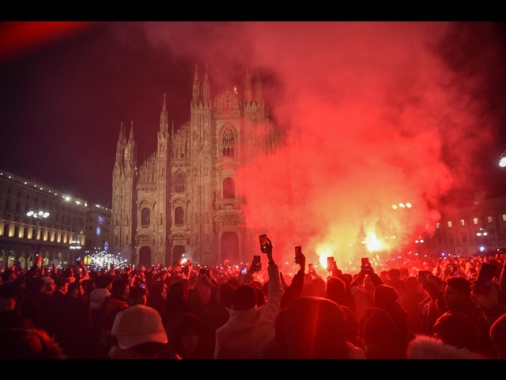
(411, 309)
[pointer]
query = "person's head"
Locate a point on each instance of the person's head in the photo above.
(35, 285)
(138, 295)
(8, 275)
(411, 282)
(225, 294)
(457, 291)
(244, 298)
(103, 281)
(138, 330)
(394, 274)
(456, 330)
(185, 336)
(385, 296)
(120, 288)
(312, 328)
(8, 296)
(336, 289)
(49, 285)
(27, 344)
(380, 335)
(62, 283)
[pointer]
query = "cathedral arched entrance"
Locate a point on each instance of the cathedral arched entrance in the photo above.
(230, 247)
(145, 256)
(177, 254)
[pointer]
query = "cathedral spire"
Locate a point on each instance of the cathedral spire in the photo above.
(131, 137)
(196, 87)
(258, 88)
(164, 119)
(248, 92)
(206, 93)
(120, 146)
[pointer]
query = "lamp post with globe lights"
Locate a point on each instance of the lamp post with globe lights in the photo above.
(481, 235)
(502, 159)
(37, 215)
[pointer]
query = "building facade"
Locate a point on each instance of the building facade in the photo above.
(184, 200)
(57, 228)
(470, 230)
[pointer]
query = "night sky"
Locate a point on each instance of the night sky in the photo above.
(383, 112)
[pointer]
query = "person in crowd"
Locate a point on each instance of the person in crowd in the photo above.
(498, 336)
(433, 306)
(455, 337)
(28, 344)
(489, 301)
(10, 316)
(117, 301)
(458, 299)
(187, 338)
(249, 327)
(336, 290)
(80, 344)
(410, 301)
(97, 299)
(210, 313)
(381, 335)
(178, 301)
(35, 303)
(362, 290)
(138, 295)
(395, 281)
(157, 297)
(138, 333)
(320, 286)
(312, 328)
(295, 289)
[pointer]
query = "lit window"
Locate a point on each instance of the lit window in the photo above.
(449, 223)
(504, 217)
(475, 220)
(490, 219)
(437, 225)
(462, 222)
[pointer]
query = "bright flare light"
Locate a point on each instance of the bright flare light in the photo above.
(323, 251)
(372, 243)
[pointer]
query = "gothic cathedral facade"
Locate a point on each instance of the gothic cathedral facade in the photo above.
(184, 201)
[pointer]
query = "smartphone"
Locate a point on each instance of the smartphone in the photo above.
(257, 263)
(485, 278)
(366, 265)
(310, 268)
(298, 254)
(330, 263)
(263, 243)
(244, 269)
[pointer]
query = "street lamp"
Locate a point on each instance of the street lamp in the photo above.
(502, 159)
(38, 215)
(482, 233)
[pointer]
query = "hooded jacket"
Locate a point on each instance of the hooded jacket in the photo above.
(246, 332)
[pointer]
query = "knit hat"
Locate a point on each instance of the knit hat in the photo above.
(385, 295)
(138, 324)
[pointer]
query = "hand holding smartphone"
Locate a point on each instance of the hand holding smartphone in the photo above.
(257, 264)
(366, 265)
(265, 243)
(298, 255)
